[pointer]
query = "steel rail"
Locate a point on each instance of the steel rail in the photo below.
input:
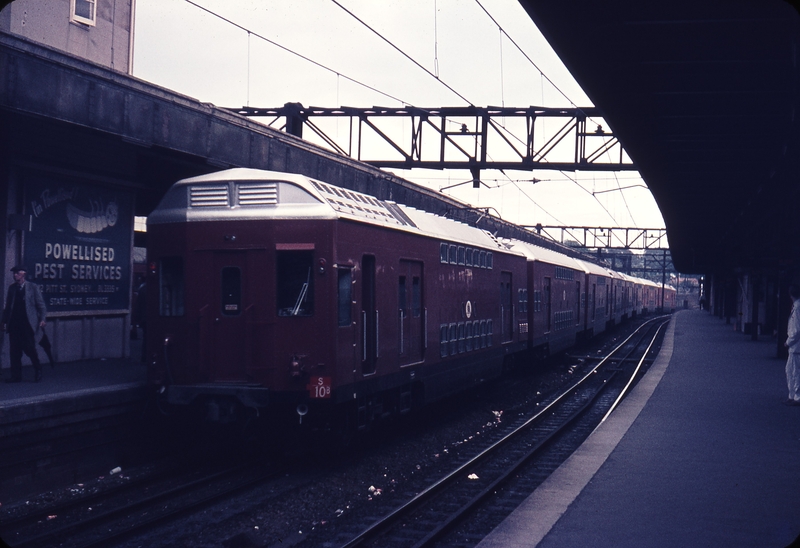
(384, 522)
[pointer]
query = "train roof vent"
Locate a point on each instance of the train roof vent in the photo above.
(255, 194)
(209, 196)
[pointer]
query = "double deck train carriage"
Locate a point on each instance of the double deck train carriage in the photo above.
(552, 299)
(595, 299)
(670, 298)
(282, 294)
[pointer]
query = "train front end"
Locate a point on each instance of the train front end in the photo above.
(238, 319)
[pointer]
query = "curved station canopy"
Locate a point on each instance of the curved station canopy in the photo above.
(704, 95)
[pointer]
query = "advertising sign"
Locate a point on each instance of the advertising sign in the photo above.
(79, 247)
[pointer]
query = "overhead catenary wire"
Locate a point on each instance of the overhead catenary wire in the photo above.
(544, 77)
(403, 53)
(296, 54)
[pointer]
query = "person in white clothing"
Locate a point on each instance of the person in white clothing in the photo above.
(793, 344)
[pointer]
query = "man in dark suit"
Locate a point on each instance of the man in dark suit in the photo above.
(24, 320)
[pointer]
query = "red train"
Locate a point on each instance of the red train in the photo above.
(279, 295)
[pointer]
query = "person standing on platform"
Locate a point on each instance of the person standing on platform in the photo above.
(793, 344)
(24, 320)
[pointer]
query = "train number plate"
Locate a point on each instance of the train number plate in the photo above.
(319, 387)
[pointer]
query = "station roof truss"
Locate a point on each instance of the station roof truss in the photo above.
(474, 138)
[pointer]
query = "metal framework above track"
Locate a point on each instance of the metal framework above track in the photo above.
(474, 138)
(605, 238)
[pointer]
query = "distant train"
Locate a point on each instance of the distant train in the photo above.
(281, 296)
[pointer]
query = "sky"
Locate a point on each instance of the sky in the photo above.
(364, 53)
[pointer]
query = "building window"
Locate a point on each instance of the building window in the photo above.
(83, 11)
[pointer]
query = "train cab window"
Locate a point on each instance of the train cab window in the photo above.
(170, 286)
(345, 291)
(231, 278)
(295, 291)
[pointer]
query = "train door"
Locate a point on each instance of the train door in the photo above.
(506, 307)
(548, 306)
(578, 303)
(410, 313)
(229, 328)
(369, 316)
(347, 331)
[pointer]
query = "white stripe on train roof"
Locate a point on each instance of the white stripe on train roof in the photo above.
(331, 202)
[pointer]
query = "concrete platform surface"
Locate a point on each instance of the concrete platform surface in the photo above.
(69, 385)
(703, 453)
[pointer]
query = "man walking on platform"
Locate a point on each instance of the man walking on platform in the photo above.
(24, 320)
(793, 344)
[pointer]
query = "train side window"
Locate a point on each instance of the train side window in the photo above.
(453, 254)
(460, 338)
(483, 259)
(523, 300)
(483, 333)
(401, 296)
(295, 291)
(453, 339)
(489, 260)
(443, 340)
(443, 253)
(461, 255)
(416, 297)
(231, 279)
(469, 337)
(469, 256)
(170, 286)
(489, 332)
(345, 292)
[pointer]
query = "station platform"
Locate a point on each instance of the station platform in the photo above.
(69, 386)
(703, 452)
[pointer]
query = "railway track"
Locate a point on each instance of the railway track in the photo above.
(128, 509)
(461, 507)
(434, 508)
(44, 450)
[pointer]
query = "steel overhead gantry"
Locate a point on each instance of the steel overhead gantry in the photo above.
(648, 240)
(473, 138)
(605, 237)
